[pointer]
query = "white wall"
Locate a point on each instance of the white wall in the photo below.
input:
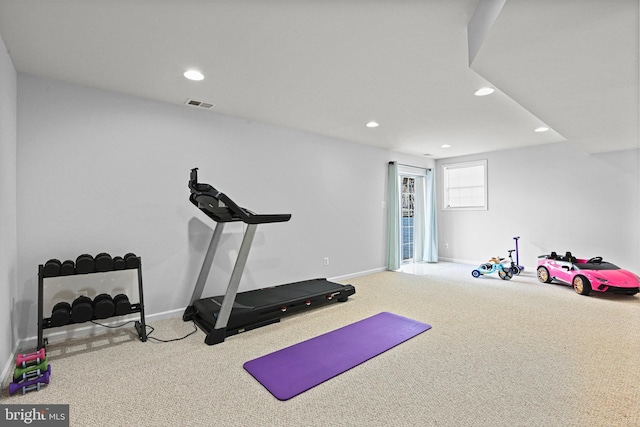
(8, 237)
(105, 172)
(556, 198)
(100, 171)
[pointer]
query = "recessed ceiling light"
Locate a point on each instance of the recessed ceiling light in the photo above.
(194, 75)
(483, 91)
(373, 124)
(541, 129)
(445, 146)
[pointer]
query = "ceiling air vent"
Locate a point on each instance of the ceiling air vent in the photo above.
(200, 104)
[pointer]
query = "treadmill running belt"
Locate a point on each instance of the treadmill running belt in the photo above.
(259, 307)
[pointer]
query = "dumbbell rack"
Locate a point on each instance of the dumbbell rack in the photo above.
(45, 323)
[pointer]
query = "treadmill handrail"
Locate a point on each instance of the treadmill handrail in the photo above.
(200, 192)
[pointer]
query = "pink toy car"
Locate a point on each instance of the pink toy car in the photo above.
(586, 275)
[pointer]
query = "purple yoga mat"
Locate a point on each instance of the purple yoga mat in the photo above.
(293, 370)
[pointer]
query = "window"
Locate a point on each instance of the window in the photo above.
(465, 185)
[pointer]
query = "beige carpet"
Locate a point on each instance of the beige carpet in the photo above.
(500, 353)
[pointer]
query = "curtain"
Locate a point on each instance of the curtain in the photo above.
(431, 235)
(393, 218)
(419, 220)
(425, 232)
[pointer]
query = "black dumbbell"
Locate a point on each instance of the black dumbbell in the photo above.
(123, 306)
(119, 263)
(81, 309)
(85, 264)
(51, 268)
(61, 314)
(132, 260)
(68, 268)
(104, 262)
(103, 306)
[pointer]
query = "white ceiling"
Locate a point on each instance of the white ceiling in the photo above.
(329, 67)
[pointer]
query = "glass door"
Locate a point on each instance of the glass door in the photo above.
(408, 196)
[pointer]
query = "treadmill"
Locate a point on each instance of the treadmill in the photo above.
(233, 313)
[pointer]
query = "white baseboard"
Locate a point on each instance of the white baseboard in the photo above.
(29, 344)
(527, 270)
(358, 274)
(90, 329)
(461, 261)
(7, 369)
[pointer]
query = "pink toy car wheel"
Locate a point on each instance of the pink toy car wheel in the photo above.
(543, 275)
(581, 285)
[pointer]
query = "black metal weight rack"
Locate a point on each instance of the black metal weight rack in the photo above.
(45, 323)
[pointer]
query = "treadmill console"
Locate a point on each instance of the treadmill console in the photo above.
(221, 208)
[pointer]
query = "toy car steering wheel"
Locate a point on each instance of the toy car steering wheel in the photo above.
(595, 260)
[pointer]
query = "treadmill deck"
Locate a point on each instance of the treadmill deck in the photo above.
(256, 308)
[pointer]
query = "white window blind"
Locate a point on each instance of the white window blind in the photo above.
(465, 185)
